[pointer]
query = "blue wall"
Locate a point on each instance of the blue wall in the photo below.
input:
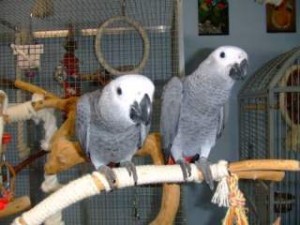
(247, 30)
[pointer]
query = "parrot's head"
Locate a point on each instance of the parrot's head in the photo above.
(127, 100)
(231, 60)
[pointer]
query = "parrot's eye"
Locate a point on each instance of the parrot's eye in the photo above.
(222, 54)
(119, 91)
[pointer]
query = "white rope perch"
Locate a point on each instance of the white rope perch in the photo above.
(47, 116)
(90, 185)
(3, 108)
(50, 184)
(25, 111)
(20, 112)
(221, 195)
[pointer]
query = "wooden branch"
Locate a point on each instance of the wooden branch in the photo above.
(33, 89)
(67, 105)
(275, 176)
(20, 166)
(265, 164)
(16, 206)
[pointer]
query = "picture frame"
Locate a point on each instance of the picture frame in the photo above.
(282, 18)
(213, 17)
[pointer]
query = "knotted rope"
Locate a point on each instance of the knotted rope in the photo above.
(236, 213)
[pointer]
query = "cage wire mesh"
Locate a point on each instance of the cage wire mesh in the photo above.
(64, 41)
(269, 112)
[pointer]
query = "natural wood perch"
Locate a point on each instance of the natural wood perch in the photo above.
(17, 205)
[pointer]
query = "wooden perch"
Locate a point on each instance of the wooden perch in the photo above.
(17, 205)
(265, 165)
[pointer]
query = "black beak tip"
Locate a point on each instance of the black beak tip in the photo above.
(142, 112)
(239, 71)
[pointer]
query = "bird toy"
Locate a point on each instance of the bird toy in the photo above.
(71, 66)
(7, 176)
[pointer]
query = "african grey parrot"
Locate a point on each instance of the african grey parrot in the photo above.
(192, 115)
(112, 124)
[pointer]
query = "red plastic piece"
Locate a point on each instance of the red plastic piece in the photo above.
(71, 64)
(6, 138)
(3, 202)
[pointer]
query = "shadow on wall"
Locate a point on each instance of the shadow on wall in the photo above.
(198, 200)
(196, 59)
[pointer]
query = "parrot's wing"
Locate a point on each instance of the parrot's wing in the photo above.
(221, 122)
(144, 131)
(170, 112)
(83, 118)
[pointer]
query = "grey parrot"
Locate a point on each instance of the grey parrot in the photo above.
(192, 114)
(112, 123)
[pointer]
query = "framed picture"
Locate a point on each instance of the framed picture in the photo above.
(213, 17)
(281, 18)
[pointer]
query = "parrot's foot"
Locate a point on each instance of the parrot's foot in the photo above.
(204, 165)
(109, 174)
(131, 170)
(185, 167)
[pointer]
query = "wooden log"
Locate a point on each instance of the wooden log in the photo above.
(33, 89)
(265, 164)
(275, 176)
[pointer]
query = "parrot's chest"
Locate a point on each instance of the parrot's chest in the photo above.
(113, 146)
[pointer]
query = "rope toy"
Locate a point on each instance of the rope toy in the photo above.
(236, 214)
(220, 172)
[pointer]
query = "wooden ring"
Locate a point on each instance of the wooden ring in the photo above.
(143, 35)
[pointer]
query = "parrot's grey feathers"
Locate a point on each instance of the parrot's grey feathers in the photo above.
(193, 109)
(113, 123)
(143, 134)
(83, 120)
(221, 122)
(170, 112)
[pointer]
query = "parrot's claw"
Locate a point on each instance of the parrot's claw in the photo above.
(204, 165)
(131, 170)
(186, 169)
(109, 174)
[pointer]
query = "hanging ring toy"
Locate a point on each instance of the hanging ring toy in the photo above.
(138, 28)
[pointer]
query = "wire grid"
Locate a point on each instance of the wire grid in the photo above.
(254, 145)
(158, 17)
(266, 132)
(261, 79)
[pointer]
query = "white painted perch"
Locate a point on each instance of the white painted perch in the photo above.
(92, 184)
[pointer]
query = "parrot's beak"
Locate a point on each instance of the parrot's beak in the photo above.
(141, 112)
(239, 71)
